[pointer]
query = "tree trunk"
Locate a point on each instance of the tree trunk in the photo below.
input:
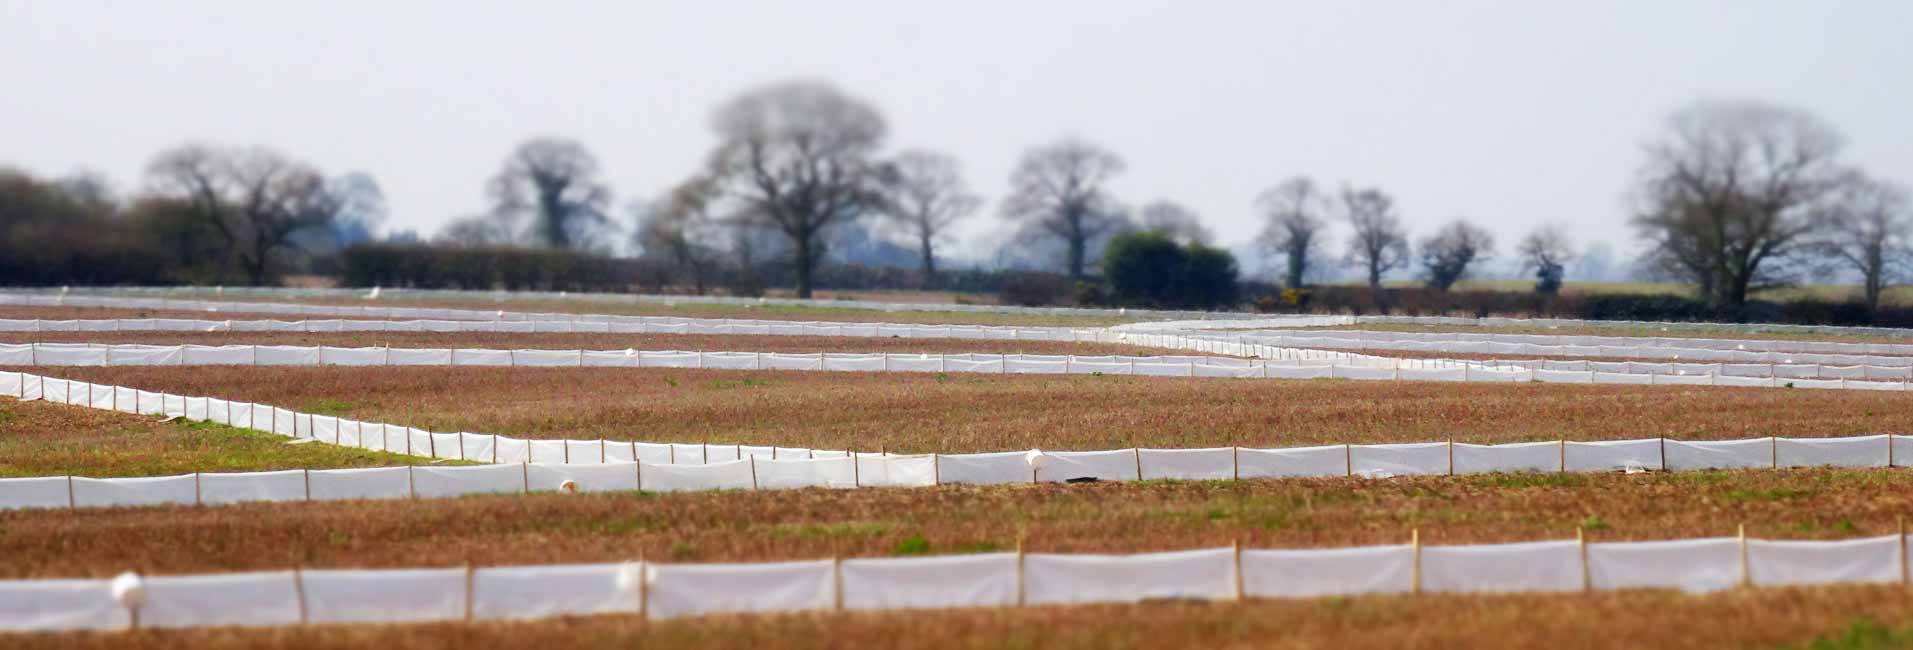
(929, 264)
(804, 263)
(1078, 246)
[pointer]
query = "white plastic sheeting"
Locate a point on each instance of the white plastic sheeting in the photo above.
(1061, 579)
(664, 591)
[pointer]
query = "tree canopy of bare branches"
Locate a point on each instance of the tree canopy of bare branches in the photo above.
(1170, 219)
(253, 199)
(679, 230)
(1446, 255)
(1378, 244)
(1058, 188)
(1293, 226)
(1546, 251)
(1729, 193)
(926, 194)
(1869, 228)
(554, 182)
(797, 157)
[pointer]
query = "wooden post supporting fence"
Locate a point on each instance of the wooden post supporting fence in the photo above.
(1414, 545)
(468, 591)
(1746, 576)
(644, 588)
(1587, 576)
(1236, 547)
(1021, 597)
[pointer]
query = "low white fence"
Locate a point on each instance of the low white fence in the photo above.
(516, 466)
(1276, 363)
(664, 591)
(621, 325)
(1646, 349)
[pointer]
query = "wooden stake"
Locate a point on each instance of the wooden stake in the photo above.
(1236, 546)
(1587, 578)
(1021, 593)
(1235, 463)
(1564, 455)
(936, 470)
(1348, 460)
(837, 583)
(1663, 454)
(299, 589)
(1138, 452)
(753, 462)
(1773, 447)
(644, 587)
(1451, 456)
(1414, 544)
(1746, 576)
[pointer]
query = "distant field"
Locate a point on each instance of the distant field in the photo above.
(745, 525)
(1596, 328)
(959, 412)
(1892, 296)
(706, 342)
(692, 307)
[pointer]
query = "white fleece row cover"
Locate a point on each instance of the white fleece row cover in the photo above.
(1657, 350)
(1276, 363)
(1597, 341)
(103, 297)
(623, 325)
(122, 297)
(521, 466)
(663, 591)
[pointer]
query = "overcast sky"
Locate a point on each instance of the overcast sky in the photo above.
(1508, 113)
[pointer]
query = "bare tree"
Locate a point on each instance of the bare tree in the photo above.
(679, 230)
(1546, 252)
(926, 194)
(1178, 223)
(1446, 255)
(1058, 189)
(555, 182)
(1379, 244)
(797, 157)
(1293, 225)
(1728, 196)
(1869, 229)
(254, 199)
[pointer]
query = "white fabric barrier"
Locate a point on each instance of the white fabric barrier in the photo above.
(1525, 567)
(987, 580)
(1720, 454)
(533, 592)
(1310, 573)
(689, 590)
(49, 605)
(1690, 565)
(1407, 459)
(1870, 560)
(1514, 457)
(230, 599)
(384, 596)
(1064, 579)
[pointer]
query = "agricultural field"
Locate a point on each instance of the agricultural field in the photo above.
(950, 413)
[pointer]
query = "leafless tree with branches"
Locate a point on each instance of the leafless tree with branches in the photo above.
(1058, 188)
(797, 157)
(1293, 225)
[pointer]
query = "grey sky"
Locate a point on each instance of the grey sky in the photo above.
(1510, 113)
